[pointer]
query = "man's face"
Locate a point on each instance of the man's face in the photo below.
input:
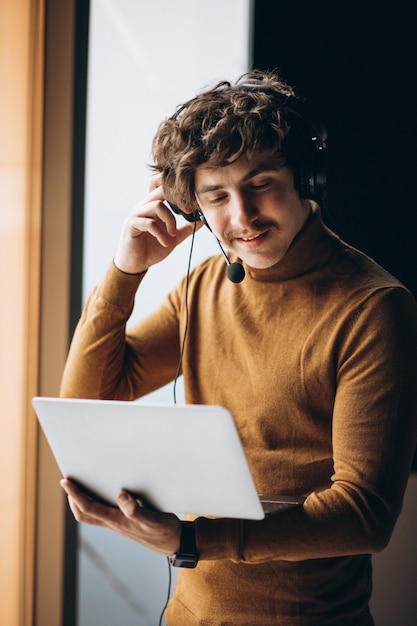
(252, 207)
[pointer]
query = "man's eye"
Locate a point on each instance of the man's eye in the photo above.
(217, 199)
(260, 186)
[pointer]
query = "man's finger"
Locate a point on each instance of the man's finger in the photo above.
(127, 504)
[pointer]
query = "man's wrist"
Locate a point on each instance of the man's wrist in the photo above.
(187, 555)
(125, 271)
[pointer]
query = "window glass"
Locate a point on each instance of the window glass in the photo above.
(145, 58)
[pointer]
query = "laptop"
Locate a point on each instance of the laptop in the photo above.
(177, 458)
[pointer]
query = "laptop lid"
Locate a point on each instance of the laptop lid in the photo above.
(180, 458)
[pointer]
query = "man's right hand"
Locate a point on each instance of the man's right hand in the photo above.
(150, 233)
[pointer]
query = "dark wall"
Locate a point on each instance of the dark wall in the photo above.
(358, 71)
(356, 68)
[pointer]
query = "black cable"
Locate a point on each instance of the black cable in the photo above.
(168, 594)
(186, 315)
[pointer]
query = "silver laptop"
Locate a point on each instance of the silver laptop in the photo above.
(177, 458)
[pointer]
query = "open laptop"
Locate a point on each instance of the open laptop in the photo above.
(179, 458)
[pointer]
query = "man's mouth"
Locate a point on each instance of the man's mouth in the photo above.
(252, 241)
(250, 238)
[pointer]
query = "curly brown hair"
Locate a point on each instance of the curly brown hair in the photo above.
(222, 123)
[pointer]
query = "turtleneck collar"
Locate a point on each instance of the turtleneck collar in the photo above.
(311, 248)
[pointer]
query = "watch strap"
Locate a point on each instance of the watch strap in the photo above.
(187, 554)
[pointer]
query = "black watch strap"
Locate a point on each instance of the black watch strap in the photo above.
(187, 554)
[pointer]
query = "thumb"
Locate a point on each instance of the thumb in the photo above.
(127, 504)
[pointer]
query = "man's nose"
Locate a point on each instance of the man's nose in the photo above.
(242, 210)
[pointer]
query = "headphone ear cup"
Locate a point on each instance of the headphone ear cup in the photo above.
(190, 217)
(311, 178)
(320, 178)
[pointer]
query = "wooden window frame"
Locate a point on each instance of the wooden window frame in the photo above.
(43, 47)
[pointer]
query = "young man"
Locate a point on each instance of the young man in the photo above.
(314, 353)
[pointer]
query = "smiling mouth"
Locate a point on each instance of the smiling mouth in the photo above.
(253, 239)
(250, 238)
(253, 236)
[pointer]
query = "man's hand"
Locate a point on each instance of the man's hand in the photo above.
(157, 531)
(150, 232)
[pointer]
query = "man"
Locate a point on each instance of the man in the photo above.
(314, 353)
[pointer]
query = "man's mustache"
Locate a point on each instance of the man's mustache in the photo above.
(258, 226)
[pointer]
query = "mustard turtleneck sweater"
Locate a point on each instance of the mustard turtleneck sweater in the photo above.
(316, 359)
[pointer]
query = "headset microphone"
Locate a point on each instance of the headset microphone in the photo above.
(235, 272)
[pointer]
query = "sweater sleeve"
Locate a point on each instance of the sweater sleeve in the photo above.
(374, 428)
(106, 360)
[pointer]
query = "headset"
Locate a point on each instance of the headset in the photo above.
(310, 175)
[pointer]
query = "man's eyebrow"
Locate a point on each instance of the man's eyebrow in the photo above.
(207, 188)
(262, 168)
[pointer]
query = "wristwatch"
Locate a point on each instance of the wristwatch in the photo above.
(187, 554)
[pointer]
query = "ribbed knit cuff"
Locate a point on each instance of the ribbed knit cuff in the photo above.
(219, 538)
(118, 288)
